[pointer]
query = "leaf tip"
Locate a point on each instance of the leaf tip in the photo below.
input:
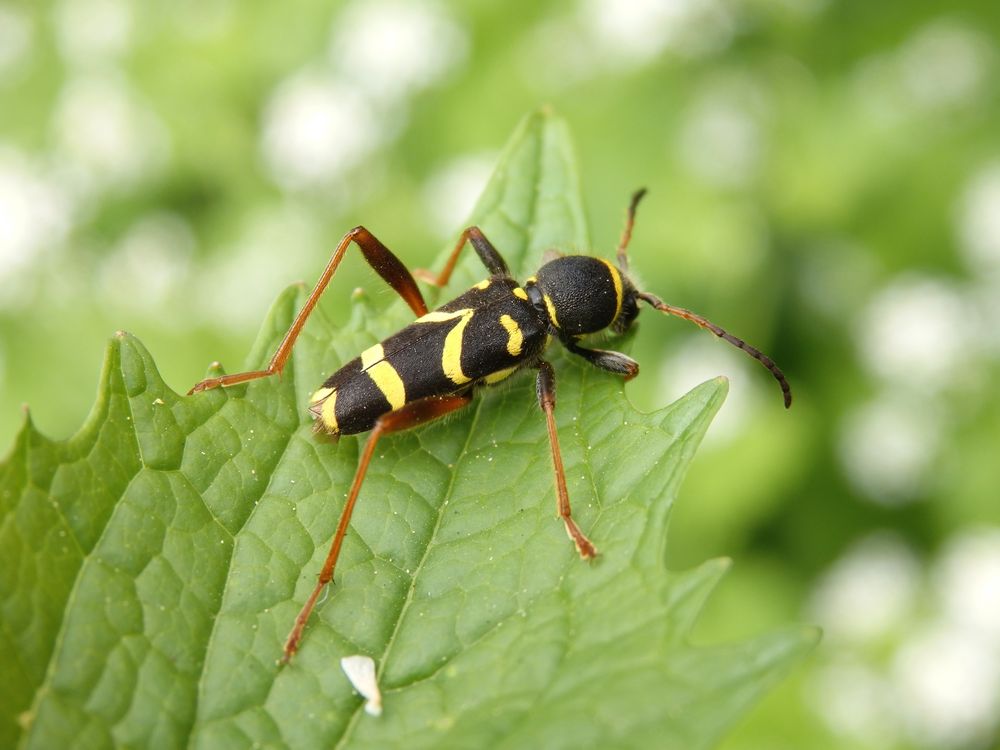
(720, 565)
(710, 572)
(714, 393)
(693, 411)
(25, 719)
(795, 641)
(694, 588)
(127, 346)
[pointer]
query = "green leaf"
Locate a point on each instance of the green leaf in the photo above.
(153, 564)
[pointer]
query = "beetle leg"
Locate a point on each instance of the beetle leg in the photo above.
(412, 414)
(545, 385)
(615, 362)
(488, 254)
(378, 256)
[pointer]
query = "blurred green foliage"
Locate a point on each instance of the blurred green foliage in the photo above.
(823, 182)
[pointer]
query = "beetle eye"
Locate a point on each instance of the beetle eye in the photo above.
(627, 316)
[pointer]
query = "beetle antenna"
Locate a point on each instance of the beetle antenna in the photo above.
(627, 232)
(680, 312)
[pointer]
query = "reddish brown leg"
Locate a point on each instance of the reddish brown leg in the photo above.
(379, 257)
(627, 232)
(488, 254)
(410, 415)
(546, 388)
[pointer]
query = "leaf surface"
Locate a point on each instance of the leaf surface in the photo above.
(151, 566)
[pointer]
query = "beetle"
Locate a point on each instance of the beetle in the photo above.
(433, 366)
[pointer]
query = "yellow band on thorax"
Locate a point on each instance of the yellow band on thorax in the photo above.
(551, 309)
(616, 279)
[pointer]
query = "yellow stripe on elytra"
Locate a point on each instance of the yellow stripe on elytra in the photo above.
(520, 293)
(499, 375)
(329, 413)
(320, 395)
(384, 376)
(451, 357)
(514, 336)
(484, 284)
(371, 355)
(326, 400)
(552, 310)
(437, 316)
(616, 278)
(388, 381)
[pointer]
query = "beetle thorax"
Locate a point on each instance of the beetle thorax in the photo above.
(581, 294)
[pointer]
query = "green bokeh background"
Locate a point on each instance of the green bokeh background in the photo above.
(809, 164)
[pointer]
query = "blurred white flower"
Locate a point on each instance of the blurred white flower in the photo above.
(879, 94)
(150, 262)
(941, 681)
(837, 274)
(721, 138)
(316, 129)
(887, 447)
(92, 31)
(945, 63)
(967, 578)
(700, 357)
(391, 48)
(555, 54)
(451, 192)
(869, 592)
(978, 221)
(987, 297)
(107, 138)
(917, 331)
(563, 49)
(854, 700)
(639, 30)
(278, 246)
(37, 212)
(328, 119)
(15, 39)
(204, 19)
(947, 686)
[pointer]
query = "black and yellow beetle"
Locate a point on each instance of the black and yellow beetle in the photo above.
(434, 365)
